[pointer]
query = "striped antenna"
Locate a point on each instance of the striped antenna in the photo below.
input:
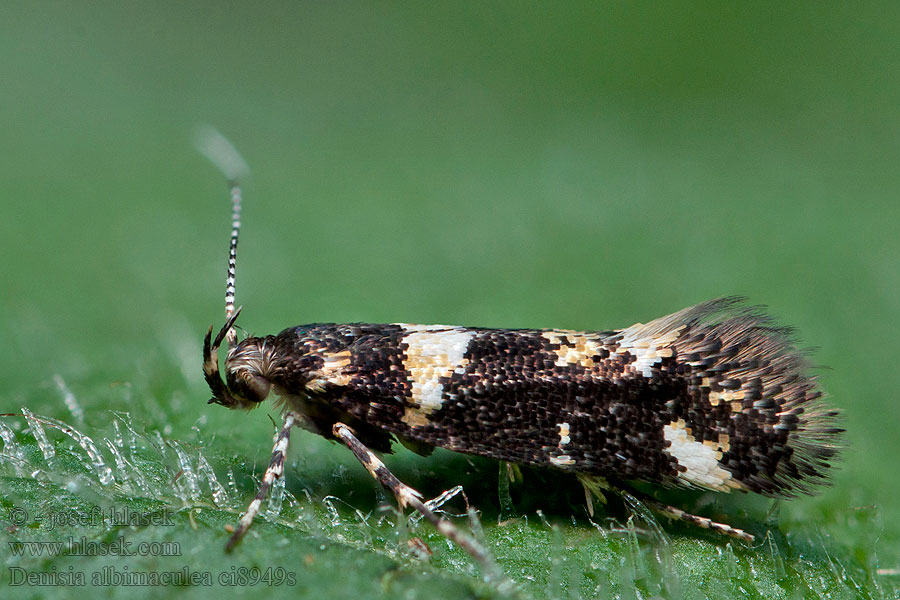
(216, 147)
(231, 336)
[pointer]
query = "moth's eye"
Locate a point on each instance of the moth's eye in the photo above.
(257, 387)
(248, 387)
(260, 387)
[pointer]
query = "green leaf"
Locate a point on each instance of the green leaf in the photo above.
(331, 532)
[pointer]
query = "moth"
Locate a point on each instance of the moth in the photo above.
(715, 396)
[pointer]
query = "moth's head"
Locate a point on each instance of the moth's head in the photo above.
(246, 370)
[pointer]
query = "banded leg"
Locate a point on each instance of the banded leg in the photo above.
(274, 471)
(406, 496)
(698, 521)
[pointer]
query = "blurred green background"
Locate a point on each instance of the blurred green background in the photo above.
(581, 165)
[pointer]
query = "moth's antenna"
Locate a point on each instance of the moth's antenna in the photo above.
(216, 147)
(232, 258)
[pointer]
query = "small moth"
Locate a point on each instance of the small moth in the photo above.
(714, 397)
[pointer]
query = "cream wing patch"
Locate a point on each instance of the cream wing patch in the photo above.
(649, 343)
(575, 347)
(434, 352)
(564, 434)
(332, 371)
(700, 459)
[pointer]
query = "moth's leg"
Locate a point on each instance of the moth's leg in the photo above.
(406, 496)
(593, 485)
(274, 471)
(696, 520)
(508, 472)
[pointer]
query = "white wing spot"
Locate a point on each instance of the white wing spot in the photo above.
(701, 460)
(647, 346)
(562, 460)
(434, 352)
(564, 434)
